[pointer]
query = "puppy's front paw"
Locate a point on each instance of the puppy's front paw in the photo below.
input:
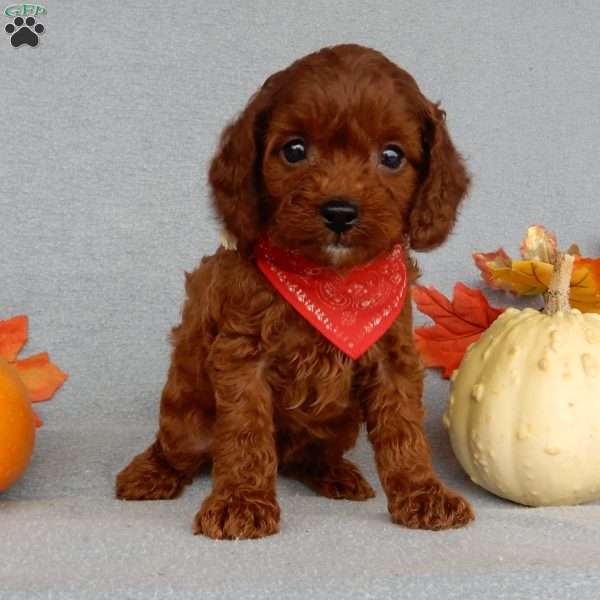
(237, 518)
(430, 506)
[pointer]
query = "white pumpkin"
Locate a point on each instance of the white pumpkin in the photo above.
(524, 409)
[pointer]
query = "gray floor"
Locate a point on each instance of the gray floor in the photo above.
(64, 535)
(108, 126)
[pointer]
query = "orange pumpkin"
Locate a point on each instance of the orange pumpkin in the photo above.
(17, 426)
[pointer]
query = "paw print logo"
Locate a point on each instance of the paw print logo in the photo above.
(24, 32)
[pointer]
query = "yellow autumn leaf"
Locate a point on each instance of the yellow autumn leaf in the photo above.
(522, 277)
(531, 277)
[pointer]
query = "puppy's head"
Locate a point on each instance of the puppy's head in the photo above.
(341, 157)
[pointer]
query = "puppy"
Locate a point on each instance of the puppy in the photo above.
(337, 162)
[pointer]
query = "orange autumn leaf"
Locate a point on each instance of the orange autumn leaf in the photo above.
(40, 376)
(495, 268)
(458, 323)
(585, 284)
(13, 335)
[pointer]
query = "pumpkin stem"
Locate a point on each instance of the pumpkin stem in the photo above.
(557, 296)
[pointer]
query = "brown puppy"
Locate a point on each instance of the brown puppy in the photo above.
(252, 386)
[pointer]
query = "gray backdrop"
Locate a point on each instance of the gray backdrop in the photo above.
(108, 126)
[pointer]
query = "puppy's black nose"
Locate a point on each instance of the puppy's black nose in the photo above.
(339, 214)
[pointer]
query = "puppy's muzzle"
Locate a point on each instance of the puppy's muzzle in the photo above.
(339, 214)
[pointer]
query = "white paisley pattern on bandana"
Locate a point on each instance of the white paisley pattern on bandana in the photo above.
(352, 310)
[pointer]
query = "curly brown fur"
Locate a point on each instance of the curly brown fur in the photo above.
(252, 386)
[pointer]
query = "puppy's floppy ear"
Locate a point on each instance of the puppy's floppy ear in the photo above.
(444, 183)
(234, 173)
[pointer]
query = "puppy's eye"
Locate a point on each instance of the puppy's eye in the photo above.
(391, 157)
(294, 151)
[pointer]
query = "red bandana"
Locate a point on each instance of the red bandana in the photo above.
(352, 311)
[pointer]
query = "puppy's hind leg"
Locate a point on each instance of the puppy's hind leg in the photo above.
(149, 477)
(339, 480)
(181, 448)
(321, 465)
